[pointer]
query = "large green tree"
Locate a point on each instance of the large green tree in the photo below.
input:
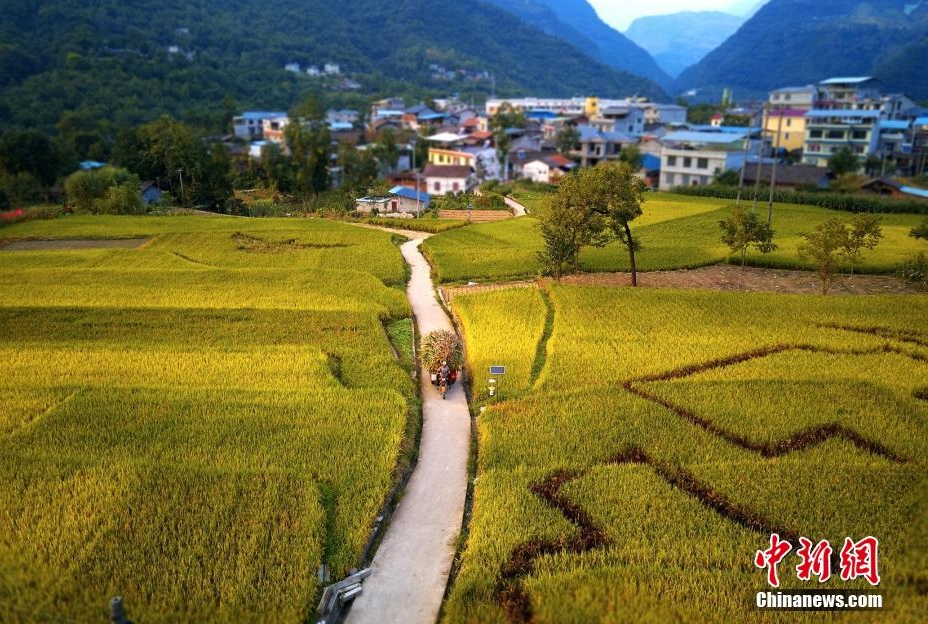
(505, 118)
(613, 191)
(567, 225)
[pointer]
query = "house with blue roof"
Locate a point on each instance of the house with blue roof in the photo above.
(249, 125)
(409, 201)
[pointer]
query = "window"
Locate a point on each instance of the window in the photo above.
(455, 187)
(815, 147)
(815, 134)
(671, 161)
(687, 162)
(686, 180)
(789, 122)
(789, 97)
(786, 137)
(835, 134)
(437, 187)
(702, 163)
(859, 135)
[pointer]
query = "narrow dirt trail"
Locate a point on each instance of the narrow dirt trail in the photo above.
(412, 564)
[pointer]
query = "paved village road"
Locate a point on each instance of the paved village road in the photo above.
(412, 564)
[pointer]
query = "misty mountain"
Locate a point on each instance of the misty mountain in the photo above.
(577, 22)
(682, 39)
(797, 42)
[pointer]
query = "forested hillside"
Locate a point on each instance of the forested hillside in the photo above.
(797, 42)
(199, 60)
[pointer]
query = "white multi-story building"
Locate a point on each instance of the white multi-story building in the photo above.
(695, 158)
(250, 124)
(827, 131)
(794, 97)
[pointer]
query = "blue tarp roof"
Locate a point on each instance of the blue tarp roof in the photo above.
(685, 136)
(894, 125)
(921, 121)
(844, 113)
(912, 190)
(651, 162)
(722, 129)
(408, 193)
(91, 164)
(262, 114)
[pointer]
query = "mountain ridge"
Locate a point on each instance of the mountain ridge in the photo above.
(833, 38)
(578, 22)
(679, 40)
(201, 60)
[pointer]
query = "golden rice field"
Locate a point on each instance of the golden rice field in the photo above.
(669, 432)
(199, 424)
(676, 232)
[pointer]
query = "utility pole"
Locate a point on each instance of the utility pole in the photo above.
(417, 175)
(760, 158)
(744, 165)
(773, 172)
(183, 201)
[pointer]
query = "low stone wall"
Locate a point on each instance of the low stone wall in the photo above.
(475, 216)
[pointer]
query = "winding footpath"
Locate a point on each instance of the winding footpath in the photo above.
(412, 564)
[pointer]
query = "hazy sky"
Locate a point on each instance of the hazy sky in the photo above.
(620, 13)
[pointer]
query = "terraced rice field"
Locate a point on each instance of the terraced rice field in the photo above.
(198, 425)
(651, 445)
(676, 233)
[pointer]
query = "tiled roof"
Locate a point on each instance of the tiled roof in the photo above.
(446, 171)
(787, 175)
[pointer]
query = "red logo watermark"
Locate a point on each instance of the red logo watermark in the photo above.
(857, 559)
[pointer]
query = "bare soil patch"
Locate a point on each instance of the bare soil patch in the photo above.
(67, 244)
(718, 277)
(749, 279)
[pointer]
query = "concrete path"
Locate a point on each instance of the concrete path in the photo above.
(411, 567)
(517, 208)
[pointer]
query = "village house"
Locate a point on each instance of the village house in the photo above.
(787, 127)
(407, 200)
(441, 179)
(373, 204)
(548, 169)
(250, 124)
(694, 158)
(597, 146)
(893, 188)
(788, 176)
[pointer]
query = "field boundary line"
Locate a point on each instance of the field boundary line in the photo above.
(797, 441)
(192, 261)
(541, 351)
(510, 591)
